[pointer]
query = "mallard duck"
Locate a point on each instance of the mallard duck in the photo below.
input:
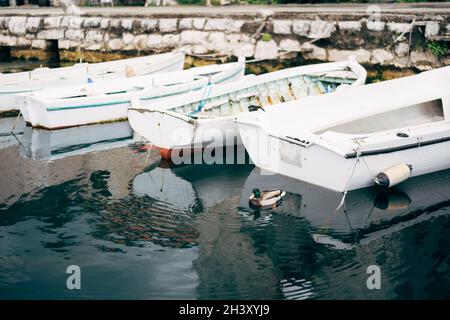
(265, 198)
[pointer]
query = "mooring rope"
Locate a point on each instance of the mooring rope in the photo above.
(368, 168)
(358, 155)
(148, 155)
(205, 97)
(364, 160)
(15, 122)
(358, 158)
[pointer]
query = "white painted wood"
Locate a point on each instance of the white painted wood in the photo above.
(82, 73)
(313, 139)
(103, 101)
(173, 123)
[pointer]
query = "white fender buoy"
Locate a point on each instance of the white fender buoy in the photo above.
(393, 175)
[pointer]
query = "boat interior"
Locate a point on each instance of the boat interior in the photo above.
(266, 94)
(413, 115)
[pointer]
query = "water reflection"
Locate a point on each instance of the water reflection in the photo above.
(367, 213)
(56, 144)
(62, 194)
(193, 187)
(226, 264)
(174, 198)
(39, 159)
(402, 231)
(139, 228)
(19, 65)
(8, 136)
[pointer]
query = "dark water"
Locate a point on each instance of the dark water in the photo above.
(16, 65)
(139, 229)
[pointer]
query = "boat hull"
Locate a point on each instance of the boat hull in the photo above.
(7, 102)
(37, 80)
(96, 103)
(41, 116)
(207, 118)
(175, 136)
(325, 168)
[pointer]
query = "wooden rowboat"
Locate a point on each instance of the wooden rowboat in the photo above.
(381, 133)
(81, 73)
(106, 101)
(207, 118)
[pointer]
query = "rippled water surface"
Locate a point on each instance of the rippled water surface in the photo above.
(140, 229)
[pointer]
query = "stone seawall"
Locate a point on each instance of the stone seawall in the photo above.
(401, 40)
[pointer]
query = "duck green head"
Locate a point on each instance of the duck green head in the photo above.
(256, 193)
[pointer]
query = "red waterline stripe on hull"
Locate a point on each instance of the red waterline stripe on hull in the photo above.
(167, 153)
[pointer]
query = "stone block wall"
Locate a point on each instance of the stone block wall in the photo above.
(393, 40)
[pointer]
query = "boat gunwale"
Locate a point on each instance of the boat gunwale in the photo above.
(169, 112)
(262, 79)
(57, 73)
(334, 147)
(351, 155)
(227, 95)
(233, 71)
(375, 152)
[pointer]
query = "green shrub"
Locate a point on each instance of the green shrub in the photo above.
(266, 37)
(437, 49)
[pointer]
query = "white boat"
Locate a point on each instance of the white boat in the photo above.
(106, 101)
(206, 118)
(39, 144)
(44, 78)
(379, 133)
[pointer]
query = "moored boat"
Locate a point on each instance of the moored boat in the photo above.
(207, 118)
(44, 78)
(379, 133)
(106, 101)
